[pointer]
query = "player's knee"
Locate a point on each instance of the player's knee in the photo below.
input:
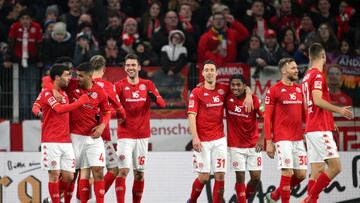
(335, 169)
(139, 176)
(54, 176)
(219, 176)
(68, 178)
(301, 176)
(123, 172)
(255, 178)
(114, 171)
(98, 173)
(240, 177)
(204, 178)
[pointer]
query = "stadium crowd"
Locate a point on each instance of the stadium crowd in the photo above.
(168, 33)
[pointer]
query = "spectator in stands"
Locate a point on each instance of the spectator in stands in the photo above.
(114, 28)
(87, 29)
(111, 53)
(25, 40)
(48, 28)
(335, 82)
(114, 6)
(5, 9)
(269, 55)
(324, 14)
(151, 20)
(219, 42)
(254, 19)
(254, 43)
(71, 18)
(51, 13)
(285, 17)
(346, 12)
(174, 55)
(324, 35)
(288, 41)
(345, 48)
(20, 5)
(60, 44)
(84, 49)
(143, 50)
(305, 28)
(185, 17)
(129, 35)
(96, 9)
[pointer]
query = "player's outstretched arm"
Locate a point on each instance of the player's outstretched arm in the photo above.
(320, 102)
(64, 108)
(195, 138)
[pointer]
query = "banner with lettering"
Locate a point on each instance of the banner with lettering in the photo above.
(173, 88)
(226, 71)
(343, 74)
(22, 180)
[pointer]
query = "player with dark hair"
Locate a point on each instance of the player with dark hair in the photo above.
(135, 95)
(56, 148)
(245, 144)
(283, 121)
(320, 124)
(86, 131)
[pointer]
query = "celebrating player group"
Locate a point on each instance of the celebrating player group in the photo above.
(75, 108)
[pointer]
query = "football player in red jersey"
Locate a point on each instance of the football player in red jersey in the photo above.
(205, 114)
(245, 144)
(98, 62)
(321, 146)
(86, 131)
(135, 95)
(283, 121)
(56, 148)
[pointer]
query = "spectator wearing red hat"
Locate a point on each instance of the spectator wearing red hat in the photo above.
(270, 54)
(219, 42)
(285, 17)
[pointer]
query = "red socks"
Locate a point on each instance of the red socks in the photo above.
(54, 191)
(109, 179)
(285, 189)
(240, 192)
(137, 191)
(250, 191)
(218, 191)
(120, 189)
(68, 193)
(84, 190)
(322, 181)
(99, 190)
(196, 190)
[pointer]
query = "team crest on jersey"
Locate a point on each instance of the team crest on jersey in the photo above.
(318, 84)
(122, 157)
(235, 164)
(221, 92)
(142, 87)
(94, 95)
(298, 89)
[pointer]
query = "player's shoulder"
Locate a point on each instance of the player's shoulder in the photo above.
(121, 82)
(275, 87)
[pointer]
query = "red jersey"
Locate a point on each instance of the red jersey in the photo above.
(83, 119)
(242, 127)
(287, 116)
(109, 88)
(34, 37)
(209, 108)
(317, 119)
(55, 126)
(136, 102)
